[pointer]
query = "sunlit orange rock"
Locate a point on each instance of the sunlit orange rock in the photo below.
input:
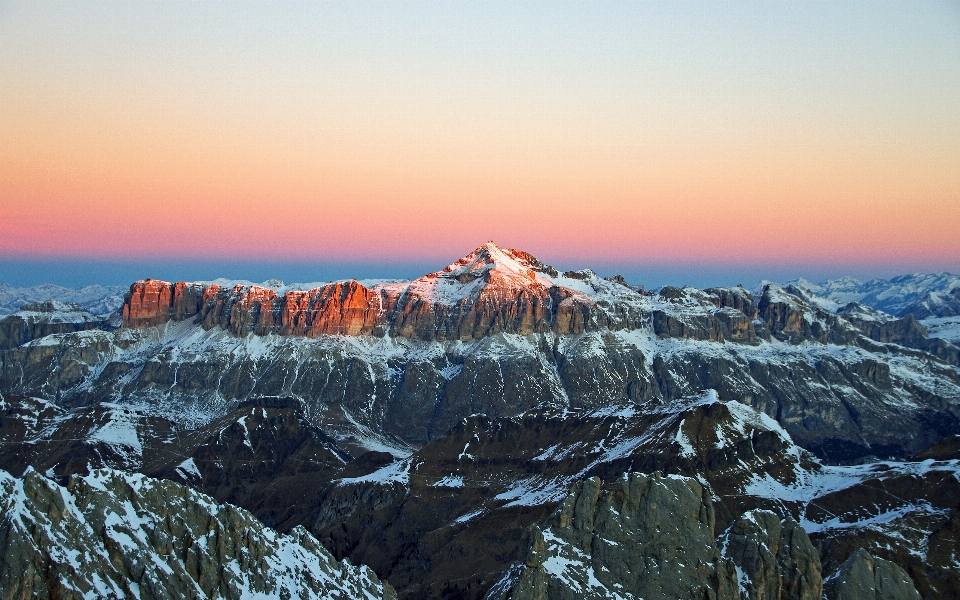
(492, 290)
(147, 303)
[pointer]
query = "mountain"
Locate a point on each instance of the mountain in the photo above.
(96, 299)
(428, 428)
(41, 319)
(395, 365)
(899, 295)
(489, 291)
(655, 537)
(935, 304)
(117, 535)
(450, 519)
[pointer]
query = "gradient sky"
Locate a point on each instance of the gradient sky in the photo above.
(719, 138)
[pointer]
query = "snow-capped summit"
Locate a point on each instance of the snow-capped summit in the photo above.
(894, 296)
(503, 261)
(488, 270)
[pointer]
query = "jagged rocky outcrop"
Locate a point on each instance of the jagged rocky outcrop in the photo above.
(790, 317)
(905, 331)
(716, 315)
(641, 537)
(152, 302)
(116, 535)
(774, 558)
(863, 577)
(652, 537)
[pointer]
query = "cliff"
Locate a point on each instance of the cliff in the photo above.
(491, 290)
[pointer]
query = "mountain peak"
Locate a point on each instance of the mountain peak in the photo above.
(492, 259)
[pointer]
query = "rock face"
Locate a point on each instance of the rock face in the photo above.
(653, 537)
(905, 331)
(791, 318)
(115, 535)
(716, 315)
(775, 558)
(643, 537)
(491, 290)
(264, 455)
(863, 577)
(151, 302)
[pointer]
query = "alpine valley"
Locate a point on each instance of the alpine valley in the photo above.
(496, 429)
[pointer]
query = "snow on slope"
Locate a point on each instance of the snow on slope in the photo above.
(111, 534)
(946, 328)
(97, 299)
(889, 295)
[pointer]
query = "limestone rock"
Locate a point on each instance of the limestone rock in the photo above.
(152, 302)
(642, 537)
(863, 577)
(40, 319)
(906, 331)
(116, 535)
(491, 290)
(791, 317)
(775, 558)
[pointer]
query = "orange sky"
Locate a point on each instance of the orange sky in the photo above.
(617, 133)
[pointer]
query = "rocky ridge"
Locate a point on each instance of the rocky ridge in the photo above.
(448, 519)
(51, 317)
(117, 535)
(643, 536)
(489, 291)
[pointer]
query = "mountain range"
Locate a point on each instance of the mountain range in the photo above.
(501, 429)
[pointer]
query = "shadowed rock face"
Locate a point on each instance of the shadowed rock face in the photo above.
(649, 537)
(113, 534)
(776, 558)
(863, 577)
(644, 536)
(41, 319)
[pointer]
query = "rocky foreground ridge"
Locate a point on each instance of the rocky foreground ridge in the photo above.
(117, 535)
(655, 537)
(449, 520)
